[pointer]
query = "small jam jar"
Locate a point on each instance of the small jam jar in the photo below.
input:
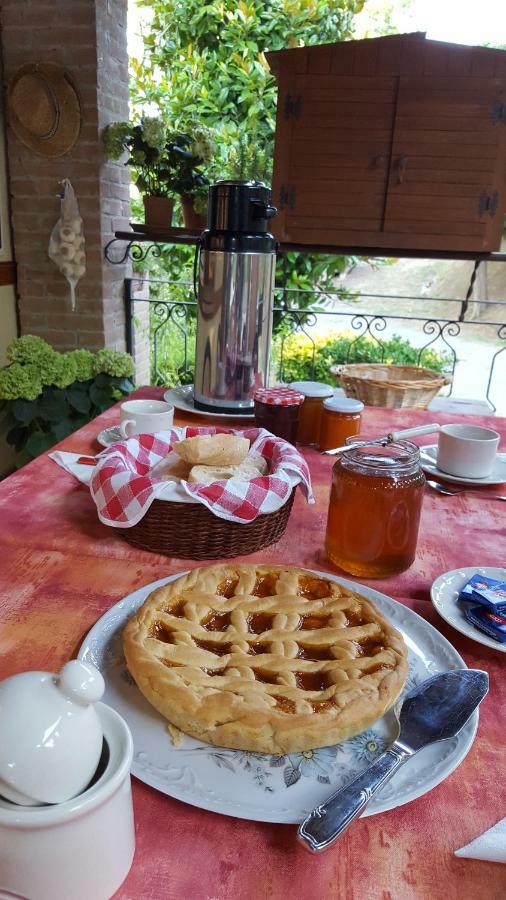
(277, 410)
(374, 512)
(310, 417)
(341, 419)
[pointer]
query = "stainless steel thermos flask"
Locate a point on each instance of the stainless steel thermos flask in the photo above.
(235, 287)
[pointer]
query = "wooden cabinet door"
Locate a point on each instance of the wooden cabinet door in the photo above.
(446, 181)
(333, 146)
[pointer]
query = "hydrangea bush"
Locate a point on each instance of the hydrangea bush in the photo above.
(50, 394)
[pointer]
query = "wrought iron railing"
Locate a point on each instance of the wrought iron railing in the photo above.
(170, 325)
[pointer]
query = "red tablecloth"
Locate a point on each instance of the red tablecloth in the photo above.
(61, 569)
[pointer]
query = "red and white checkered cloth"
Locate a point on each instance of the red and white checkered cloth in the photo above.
(123, 485)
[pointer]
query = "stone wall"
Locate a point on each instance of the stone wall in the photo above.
(88, 38)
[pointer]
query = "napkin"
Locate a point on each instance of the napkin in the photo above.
(68, 461)
(126, 479)
(490, 846)
(125, 482)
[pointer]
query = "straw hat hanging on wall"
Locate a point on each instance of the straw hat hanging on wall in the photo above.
(44, 108)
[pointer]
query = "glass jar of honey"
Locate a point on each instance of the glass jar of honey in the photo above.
(308, 431)
(341, 419)
(374, 511)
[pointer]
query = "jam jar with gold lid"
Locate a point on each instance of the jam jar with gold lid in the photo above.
(374, 510)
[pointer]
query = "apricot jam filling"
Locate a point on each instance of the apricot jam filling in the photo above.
(311, 681)
(216, 621)
(259, 622)
(217, 649)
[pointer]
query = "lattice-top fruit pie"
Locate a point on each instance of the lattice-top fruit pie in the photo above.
(266, 658)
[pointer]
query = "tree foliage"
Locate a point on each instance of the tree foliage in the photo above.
(207, 62)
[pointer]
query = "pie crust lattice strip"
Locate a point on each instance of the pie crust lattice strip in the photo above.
(269, 659)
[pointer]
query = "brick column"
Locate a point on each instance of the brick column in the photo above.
(88, 38)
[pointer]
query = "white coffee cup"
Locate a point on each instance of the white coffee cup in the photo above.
(467, 451)
(145, 417)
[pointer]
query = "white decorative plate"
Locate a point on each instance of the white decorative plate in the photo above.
(110, 436)
(428, 463)
(272, 788)
(182, 398)
(444, 593)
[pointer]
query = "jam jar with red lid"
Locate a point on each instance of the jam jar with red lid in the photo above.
(277, 410)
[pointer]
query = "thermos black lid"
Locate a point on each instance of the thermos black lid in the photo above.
(238, 217)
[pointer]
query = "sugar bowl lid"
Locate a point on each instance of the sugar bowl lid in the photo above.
(50, 733)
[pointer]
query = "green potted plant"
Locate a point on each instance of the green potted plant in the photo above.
(166, 164)
(47, 395)
(188, 151)
(145, 144)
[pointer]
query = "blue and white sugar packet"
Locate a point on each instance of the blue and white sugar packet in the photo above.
(490, 622)
(486, 591)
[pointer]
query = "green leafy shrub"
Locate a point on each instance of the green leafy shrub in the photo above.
(296, 358)
(206, 62)
(49, 395)
(170, 363)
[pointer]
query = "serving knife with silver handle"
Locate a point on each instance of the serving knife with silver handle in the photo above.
(436, 710)
(388, 438)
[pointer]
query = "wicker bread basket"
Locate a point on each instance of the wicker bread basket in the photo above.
(191, 531)
(378, 384)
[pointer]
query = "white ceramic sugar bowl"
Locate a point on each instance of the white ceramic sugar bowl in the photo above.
(66, 816)
(51, 736)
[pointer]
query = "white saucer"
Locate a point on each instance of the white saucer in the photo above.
(444, 593)
(110, 436)
(182, 398)
(428, 463)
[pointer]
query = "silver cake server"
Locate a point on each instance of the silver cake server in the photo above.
(434, 711)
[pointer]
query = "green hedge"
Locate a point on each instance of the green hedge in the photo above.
(292, 358)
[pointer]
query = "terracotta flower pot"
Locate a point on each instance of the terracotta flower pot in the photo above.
(191, 218)
(158, 211)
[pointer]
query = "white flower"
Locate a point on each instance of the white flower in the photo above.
(367, 746)
(153, 132)
(312, 763)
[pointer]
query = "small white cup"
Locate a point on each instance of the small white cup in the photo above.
(467, 451)
(145, 417)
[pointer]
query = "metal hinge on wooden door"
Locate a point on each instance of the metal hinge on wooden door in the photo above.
(293, 106)
(286, 197)
(488, 203)
(498, 112)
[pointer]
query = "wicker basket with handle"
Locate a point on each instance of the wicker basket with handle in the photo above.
(378, 384)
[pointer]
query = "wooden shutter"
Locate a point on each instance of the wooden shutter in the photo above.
(446, 183)
(333, 145)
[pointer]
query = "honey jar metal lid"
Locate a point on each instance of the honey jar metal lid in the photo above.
(313, 388)
(343, 404)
